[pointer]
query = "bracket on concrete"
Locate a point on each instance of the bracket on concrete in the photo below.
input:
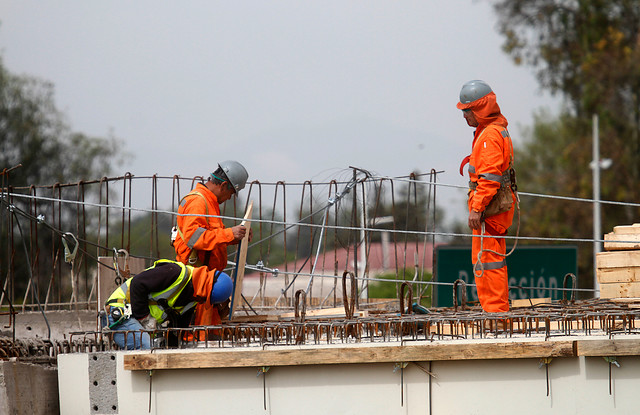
(401, 366)
(263, 371)
(612, 360)
(546, 361)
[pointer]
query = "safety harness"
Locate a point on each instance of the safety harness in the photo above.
(508, 183)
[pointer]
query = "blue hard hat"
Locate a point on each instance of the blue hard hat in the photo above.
(222, 288)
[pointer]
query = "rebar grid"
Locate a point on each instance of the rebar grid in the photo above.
(583, 318)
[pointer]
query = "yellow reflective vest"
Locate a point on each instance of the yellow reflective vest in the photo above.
(160, 302)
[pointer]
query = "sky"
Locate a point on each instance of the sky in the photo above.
(294, 90)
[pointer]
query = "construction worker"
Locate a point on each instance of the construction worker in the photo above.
(202, 239)
(167, 291)
(490, 171)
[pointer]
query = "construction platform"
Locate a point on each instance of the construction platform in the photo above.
(556, 358)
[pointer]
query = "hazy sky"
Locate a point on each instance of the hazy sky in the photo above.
(295, 90)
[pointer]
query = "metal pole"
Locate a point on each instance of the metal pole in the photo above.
(597, 246)
(363, 244)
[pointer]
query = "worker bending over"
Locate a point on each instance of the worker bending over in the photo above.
(167, 291)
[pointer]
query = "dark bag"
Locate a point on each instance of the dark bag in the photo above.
(501, 202)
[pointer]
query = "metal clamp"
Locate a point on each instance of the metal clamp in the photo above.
(69, 256)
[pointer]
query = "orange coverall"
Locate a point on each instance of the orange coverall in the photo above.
(492, 150)
(203, 234)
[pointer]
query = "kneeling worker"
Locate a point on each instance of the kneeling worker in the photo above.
(167, 291)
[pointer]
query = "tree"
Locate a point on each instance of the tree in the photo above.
(35, 136)
(588, 51)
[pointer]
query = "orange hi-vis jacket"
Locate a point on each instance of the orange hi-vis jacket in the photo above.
(489, 160)
(203, 234)
(492, 152)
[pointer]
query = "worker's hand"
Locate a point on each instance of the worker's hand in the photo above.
(223, 309)
(148, 323)
(239, 232)
(475, 219)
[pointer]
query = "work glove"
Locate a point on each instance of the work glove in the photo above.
(148, 323)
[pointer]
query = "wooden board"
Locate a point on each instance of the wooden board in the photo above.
(621, 242)
(325, 312)
(617, 347)
(529, 302)
(623, 238)
(618, 259)
(241, 260)
(256, 357)
(618, 275)
(627, 229)
(106, 277)
(617, 290)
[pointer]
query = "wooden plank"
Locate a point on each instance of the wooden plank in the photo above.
(529, 302)
(236, 300)
(618, 259)
(618, 275)
(325, 312)
(290, 356)
(259, 318)
(621, 242)
(627, 229)
(614, 347)
(617, 290)
(106, 276)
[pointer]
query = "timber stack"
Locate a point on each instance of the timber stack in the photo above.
(618, 267)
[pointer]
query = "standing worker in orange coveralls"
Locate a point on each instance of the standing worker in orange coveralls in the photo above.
(203, 240)
(490, 165)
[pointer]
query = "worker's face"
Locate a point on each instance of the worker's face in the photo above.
(470, 118)
(226, 191)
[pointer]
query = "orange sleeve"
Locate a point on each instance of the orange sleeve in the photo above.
(202, 280)
(489, 167)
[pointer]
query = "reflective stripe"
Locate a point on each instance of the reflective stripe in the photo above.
(194, 238)
(504, 133)
(472, 169)
(175, 288)
(490, 265)
(492, 177)
(170, 294)
(120, 295)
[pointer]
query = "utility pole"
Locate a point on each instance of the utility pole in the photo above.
(596, 205)
(596, 165)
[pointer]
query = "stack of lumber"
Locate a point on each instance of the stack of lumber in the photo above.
(618, 268)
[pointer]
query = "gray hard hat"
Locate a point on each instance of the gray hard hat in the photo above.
(236, 173)
(474, 90)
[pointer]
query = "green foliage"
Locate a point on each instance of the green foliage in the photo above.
(588, 52)
(381, 289)
(35, 134)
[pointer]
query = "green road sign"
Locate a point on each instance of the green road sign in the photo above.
(534, 271)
